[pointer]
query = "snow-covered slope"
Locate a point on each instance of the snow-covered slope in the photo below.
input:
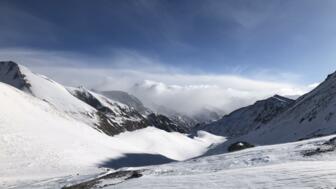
(312, 115)
(38, 141)
(249, 118)
(292, 165)
(48, 90)
(104, 114)
(305, 164)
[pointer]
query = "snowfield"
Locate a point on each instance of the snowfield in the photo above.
(275, 166)
(37, 141)
(291, 165)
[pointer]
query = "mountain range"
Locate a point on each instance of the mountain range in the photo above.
(68, 135)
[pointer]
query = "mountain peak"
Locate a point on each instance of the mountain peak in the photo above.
(332, 75)
(11, 73)
(282, 98)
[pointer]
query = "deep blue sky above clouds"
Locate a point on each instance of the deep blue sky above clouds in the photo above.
(291, 40)
(213, 36)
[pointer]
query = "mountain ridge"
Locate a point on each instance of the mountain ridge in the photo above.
(99, 112)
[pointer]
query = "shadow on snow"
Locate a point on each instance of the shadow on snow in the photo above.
(136, 160)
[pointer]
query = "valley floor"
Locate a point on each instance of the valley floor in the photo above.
(305, 164)
(308, 174)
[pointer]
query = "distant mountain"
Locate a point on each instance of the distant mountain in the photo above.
(178, 118)
(204, 116)
(207, 115)
(168, 121)
(247, 119)
(115, 117)
(127, 99)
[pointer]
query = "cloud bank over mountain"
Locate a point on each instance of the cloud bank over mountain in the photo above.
(154, 83)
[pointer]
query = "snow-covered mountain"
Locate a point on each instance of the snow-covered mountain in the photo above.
(178, 118)
(98, 111)
(115, 117)
(249, 118)
(207, 115)
(311, 115)
(127, 99)
(52, 136)
(39, 140)
(185, 122)
(162, 120)
(47, 90)
(201, 117)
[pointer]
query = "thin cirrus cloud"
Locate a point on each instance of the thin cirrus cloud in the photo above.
(154, 83)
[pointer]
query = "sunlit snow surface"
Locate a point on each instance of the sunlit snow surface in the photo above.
(38, 142)
(276, 166)
(44, 145)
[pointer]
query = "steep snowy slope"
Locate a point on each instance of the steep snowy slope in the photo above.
(313, 114)
(99, 112)
(47, 90)
(38, 141)
(249, 118)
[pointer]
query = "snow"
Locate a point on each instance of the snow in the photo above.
(129, 100)
(121, 112)
(37, 141)
(247, 119)
(310, 116)
(53, 92)
(289, 175)
(275, 166)
(47, 140)
(48, 90)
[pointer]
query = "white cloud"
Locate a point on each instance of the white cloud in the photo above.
(152, 82)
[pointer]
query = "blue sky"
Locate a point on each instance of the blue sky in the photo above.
(288, 42)
(233, 36)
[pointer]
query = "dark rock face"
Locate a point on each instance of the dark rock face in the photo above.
(11, 74)
(131, 119)
(239, 146)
